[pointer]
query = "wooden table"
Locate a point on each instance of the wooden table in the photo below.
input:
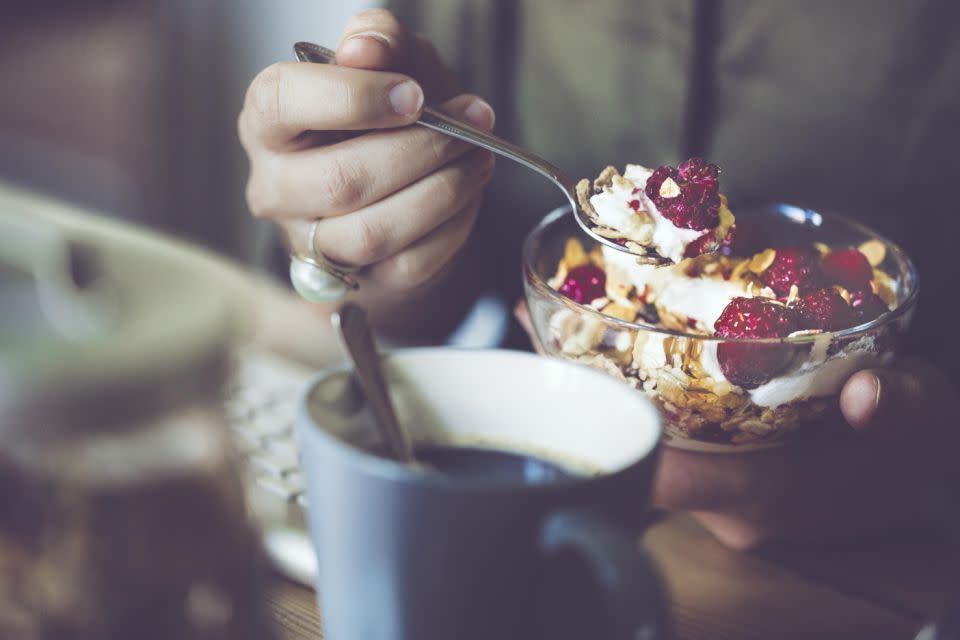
(875, 591)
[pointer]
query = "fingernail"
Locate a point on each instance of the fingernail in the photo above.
(878, 391)
(406, 98)
(375, 35)
(480, 114)
(353, 46)
(860, 398)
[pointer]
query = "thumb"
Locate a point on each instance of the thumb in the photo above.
(898, 402)
(374, 39)
(378, 41)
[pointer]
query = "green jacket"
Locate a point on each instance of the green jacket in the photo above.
(849, 106)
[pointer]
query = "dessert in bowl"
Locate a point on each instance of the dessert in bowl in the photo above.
(738, 346)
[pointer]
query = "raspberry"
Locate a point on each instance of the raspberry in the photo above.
(793, 266)
(697, 205)
(848, 268)
(750, 365)
(826, 310)
(704, 244)
(866, 305)
(585, 283)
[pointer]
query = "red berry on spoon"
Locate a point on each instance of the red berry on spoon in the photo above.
(793, 266)
(692, 201)
(825, 310)
(848, 268)
(750, 365)
(585, 283)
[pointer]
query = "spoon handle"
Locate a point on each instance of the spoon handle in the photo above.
(351, 321)
(433, 119)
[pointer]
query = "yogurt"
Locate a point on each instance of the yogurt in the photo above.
(613, 210)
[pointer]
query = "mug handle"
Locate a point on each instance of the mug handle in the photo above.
(630, 587)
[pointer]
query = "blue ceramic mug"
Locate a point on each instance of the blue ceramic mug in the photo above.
(535, 538)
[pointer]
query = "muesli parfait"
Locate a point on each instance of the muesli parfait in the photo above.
(737, 350)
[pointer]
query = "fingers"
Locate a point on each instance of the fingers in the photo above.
(423, 261)
(383, 229)
(288, 98)
(898, 402)
(334, 180)
(373, 39)
(826, 489)
(689, 480)
(860, 399)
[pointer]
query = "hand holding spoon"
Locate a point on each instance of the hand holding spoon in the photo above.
(432, 119)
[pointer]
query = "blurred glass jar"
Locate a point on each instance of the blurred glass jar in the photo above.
(121, 510)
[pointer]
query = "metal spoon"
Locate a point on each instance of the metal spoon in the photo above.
(432, 119)
(351, 322)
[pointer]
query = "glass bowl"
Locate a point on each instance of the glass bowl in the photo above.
(680, 369)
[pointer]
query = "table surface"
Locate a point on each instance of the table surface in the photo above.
(876, 590)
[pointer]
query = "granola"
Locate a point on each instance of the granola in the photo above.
(664, 215)
(707, 402)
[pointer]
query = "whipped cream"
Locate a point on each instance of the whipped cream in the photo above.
(702, 299)
(818, 378)
(613, 210)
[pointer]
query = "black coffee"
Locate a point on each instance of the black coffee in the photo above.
(477, 462)
(482, 462)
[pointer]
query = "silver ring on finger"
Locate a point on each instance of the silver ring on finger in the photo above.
(316, 277)
(320, 256)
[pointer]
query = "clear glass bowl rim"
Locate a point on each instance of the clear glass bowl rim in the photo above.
(788, 211)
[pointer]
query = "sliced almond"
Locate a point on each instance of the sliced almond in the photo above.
(738, 269)
(584, 191)
(644, 218)
(669, 189)
(596, 257)
(599, 303)
(726, 220)
(557, 280)
(620, 312)
(761, 261)
(573, 254)
(767, 292)
(875, 251)
(794, 294)
(618, 286)
(623, 183)
(885, 287)
(605, 179)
